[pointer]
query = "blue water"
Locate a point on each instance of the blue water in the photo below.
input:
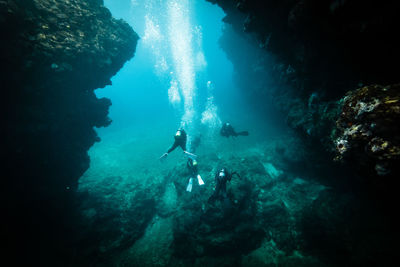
(140, 90)
(141, 93)
(179, 77)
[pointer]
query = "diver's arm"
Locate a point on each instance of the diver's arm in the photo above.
(169, 150)
(190, 155)
(228, 176)
(172, 148)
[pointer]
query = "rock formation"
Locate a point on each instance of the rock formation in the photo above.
(261, 217)
(54, 54)
(329, 66)
(367, 127)
(310, 54)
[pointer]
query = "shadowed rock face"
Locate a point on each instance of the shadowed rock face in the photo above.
(317, 51)
(329, 44)
(54, 54)
(329, 67)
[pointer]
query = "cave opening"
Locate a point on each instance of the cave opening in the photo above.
(194, 70)
(180, 76)
(304, 178)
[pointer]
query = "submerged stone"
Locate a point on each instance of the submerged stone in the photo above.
(52, 60)
(368, 129)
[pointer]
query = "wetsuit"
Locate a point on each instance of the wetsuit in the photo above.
(227, 130)
(192, 168)
(221, 177)
(180, 140)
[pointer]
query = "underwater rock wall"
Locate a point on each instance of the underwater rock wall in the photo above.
(321, 62)
(54, 54)
(331, 46)
(317, 51)
(367, 130)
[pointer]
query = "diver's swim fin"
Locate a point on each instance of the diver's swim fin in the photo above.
(201, 182)
(244, 133)
(189, 186)
(190, 155)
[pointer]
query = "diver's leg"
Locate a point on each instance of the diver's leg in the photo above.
(234, 133)
(214, 196)
(217, 190)
(226, 202)
(223, 191)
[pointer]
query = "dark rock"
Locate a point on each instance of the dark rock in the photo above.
(54, 54)
(260, 213)
(343, 230)
(115, 214)
(308, 58)
(224, 228)
(368, 130)
(314, 48)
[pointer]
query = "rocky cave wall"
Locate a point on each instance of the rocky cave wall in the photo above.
(329, 67)
(58, 52)
(311, 53)
(54, 54)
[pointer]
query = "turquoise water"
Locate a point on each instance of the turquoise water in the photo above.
(137, 204)
(145, 112)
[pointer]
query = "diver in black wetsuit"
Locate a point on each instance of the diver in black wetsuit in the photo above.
(227, 130)
(180, 140)
(192, 166)
(221, 177)
(194, 174)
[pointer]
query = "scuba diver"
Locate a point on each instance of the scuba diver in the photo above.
(227, 130)
(221, 177)
(192, 166)
(180, 140)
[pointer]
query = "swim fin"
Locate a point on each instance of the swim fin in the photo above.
(201, 182)
(189, 186)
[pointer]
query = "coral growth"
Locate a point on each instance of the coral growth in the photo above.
(368, 128)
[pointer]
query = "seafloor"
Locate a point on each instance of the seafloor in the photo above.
(278, 213)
